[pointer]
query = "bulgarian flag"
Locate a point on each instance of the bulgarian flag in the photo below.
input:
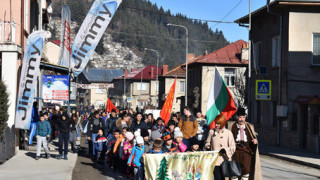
(110, 106)
(167, 107)
(220, 100)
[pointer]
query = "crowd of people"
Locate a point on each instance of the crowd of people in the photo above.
(121, 139)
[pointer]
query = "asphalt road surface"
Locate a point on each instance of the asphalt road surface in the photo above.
(272, 169)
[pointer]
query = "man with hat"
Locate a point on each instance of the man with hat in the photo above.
(246, 147)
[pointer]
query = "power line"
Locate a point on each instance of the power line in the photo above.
(159, 37)
(195, 19)
(228, 13)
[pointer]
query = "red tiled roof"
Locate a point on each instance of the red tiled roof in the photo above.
(230, 54)
(179, 70)
(307, 99)
(145, 72)
(57, 42)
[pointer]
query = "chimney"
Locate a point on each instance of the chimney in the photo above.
(164, 69)
(151, 72)
(125, 73)
(206, 52)
(191, 56)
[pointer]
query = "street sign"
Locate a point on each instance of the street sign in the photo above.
(129, 99)
(263, 89)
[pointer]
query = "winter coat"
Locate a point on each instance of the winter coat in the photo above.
(43, 128)
(100, 143)
(140, 126)
(165, 149)
(188, 126)
(181, 148)
(111, 143)
(94, 126)
(156, 127)
(64, 125)
(135, 156)
(222, 139)
(127, 150)
(153, 152)
(117, 144)
(109, 124)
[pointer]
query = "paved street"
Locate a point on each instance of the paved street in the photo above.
(273, 169)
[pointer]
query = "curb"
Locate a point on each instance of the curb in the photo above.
(316, 166)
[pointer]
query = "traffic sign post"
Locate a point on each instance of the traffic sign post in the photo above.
(263, 89)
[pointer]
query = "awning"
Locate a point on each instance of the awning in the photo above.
(307, 99)
(54, 67)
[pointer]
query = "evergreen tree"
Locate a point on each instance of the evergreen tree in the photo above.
(4, 106)
(163, 170)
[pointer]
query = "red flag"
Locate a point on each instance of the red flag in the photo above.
(167, 107)
(110, 106)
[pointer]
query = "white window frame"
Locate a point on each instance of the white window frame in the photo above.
(182, 86)
(229, 76)
(142, 86)
(276, 48)
(100, 91)
(312, 58)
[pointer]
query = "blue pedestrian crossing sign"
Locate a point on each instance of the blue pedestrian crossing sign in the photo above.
(263, 89)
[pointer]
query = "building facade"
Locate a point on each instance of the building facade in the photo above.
(285, 37)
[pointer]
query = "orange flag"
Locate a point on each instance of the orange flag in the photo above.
(167, 107)
(110, 106)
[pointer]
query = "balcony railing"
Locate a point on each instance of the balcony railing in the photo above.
(7, 32)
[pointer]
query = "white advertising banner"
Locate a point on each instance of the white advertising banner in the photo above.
(28, 77)
(91, 31)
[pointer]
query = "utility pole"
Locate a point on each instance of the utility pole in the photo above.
(157, 82)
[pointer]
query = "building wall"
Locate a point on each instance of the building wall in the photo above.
(98, 97)
(207, 75)
(51, 51)
(176, 102)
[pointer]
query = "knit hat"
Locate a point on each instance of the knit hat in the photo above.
(194, 141)
(140, 140)
(177, 132)
(129, 136)
(166, 136)
(137, 133)
(144, 133)
(155, 135)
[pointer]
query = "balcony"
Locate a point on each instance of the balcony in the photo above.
(7, 32)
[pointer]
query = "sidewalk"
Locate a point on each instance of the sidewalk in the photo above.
(24, 166)
(292, 155)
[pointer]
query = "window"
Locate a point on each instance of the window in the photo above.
(142, 86)
(276, 51)
(229, 76)
(256, 54)
(182, 86)
(157, 87)
(100, 91)
(316, 49)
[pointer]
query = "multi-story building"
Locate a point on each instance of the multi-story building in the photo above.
(18, 18)
(286, 50)
(231, 62)
(137, 88)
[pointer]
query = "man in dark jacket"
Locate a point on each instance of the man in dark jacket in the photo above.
(94, 125)
(138, 123)
(110, 122)
(63, 125)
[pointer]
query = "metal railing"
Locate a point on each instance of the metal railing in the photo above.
(7, 32)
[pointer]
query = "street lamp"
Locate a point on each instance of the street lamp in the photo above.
(157, 83)
(186, 83)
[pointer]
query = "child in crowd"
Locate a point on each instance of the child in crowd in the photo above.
(126, 152)
(100, 147)
(136, 158)
(194, 145)
(156, 147)
(117, 148)
(159, 125)
(43, 131)
(178, 136)
(147, 142)
(171, 126)
(110, 146)
(167, 145)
